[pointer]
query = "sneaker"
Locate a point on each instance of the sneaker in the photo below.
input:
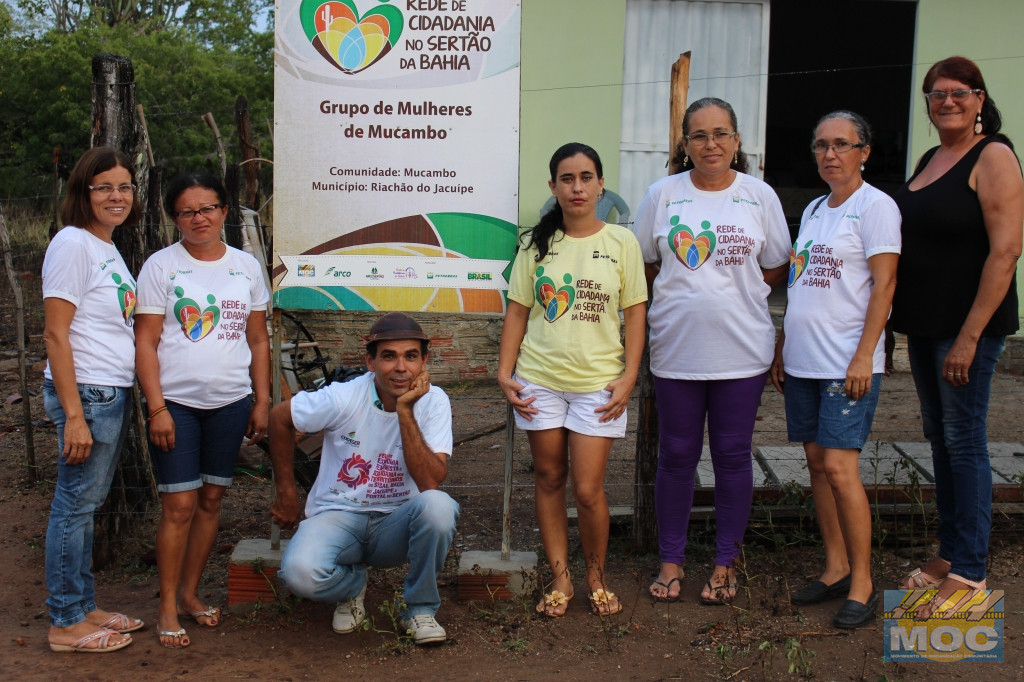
(350, 614)
(424, 629)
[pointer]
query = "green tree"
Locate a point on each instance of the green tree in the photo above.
(45, 94)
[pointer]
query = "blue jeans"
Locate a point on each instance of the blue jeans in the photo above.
(325, 559)
(80, 490)
(955, 423)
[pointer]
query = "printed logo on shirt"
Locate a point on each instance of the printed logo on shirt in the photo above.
(556, 302)
(737, 199)
(238, 273)
(597, 255)
(355, 471)
(819, 263)
(692, 250)
(798, 261)
(349, 438)
(105, 263)
(669, 202)
(195, 323)
(125, 299)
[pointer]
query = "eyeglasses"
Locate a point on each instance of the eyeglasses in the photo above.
(110, 189)
(841, 147)
(205, 211)
(959, 96)
(702, 139)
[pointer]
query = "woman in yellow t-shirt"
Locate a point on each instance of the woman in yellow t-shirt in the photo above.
(561, 363)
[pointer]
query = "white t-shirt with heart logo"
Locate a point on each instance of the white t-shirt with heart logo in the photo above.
(204, 354)
(709, 314)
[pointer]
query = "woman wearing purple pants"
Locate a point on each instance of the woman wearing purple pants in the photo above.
(715, 241)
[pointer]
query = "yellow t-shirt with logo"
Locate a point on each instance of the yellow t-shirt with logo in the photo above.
(573, 339)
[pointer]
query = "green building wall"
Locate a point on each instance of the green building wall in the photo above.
(571, 89)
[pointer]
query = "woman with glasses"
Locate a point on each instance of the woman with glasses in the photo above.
(203, 355)
(88, 301)
(715, 242)
(830, 356)
(956, 301)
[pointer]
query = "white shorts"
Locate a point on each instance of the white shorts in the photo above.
(573, 411)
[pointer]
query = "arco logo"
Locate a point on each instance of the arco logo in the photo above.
(348, 40)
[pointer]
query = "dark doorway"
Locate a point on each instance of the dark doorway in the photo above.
(824, 56)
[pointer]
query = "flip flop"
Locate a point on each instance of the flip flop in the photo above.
(919, 580)
(103, 636)
(938, 607)
(668, 588)
(184, 641)
(122, 624)
(718, 601)
(553, 600)
(601, 597)
(212, 612)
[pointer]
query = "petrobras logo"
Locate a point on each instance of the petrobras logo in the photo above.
(967, 627)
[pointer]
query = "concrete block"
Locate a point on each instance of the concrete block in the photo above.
(485, 576)
(252, 573)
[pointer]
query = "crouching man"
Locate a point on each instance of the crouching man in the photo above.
(387, 439)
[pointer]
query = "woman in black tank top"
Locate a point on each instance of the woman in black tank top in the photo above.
(956, 300)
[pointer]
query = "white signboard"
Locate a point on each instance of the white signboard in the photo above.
(396, 153)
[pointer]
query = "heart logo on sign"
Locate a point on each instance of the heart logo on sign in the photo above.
(798, 261)
(555, 301)
(691, 250)
(348, 40)
(196, 324)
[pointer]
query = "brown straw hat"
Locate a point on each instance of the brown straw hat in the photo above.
(395, 326)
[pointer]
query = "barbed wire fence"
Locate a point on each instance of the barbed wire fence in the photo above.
(475, 478)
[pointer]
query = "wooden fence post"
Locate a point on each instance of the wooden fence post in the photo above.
(115, 125)
(233, 224)
(19, 313)
(208, 119)
(645, 519)
(250, 154)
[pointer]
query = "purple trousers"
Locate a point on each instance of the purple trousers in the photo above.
(730, 406)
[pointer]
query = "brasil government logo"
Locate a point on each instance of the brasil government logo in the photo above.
(348, 40)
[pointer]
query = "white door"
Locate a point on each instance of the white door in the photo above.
(729, 45)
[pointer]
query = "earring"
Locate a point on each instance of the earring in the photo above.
(686, 160)
(735, 158)
(862, 167)
(977, 124)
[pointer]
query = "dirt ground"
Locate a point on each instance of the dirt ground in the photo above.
(760, 637)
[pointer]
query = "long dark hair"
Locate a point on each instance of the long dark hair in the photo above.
(679, 155)
(76, 209)
(543, 233)
(965, 71)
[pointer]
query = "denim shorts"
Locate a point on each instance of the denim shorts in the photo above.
(206, 444)
(819, 410)
(573, 411)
